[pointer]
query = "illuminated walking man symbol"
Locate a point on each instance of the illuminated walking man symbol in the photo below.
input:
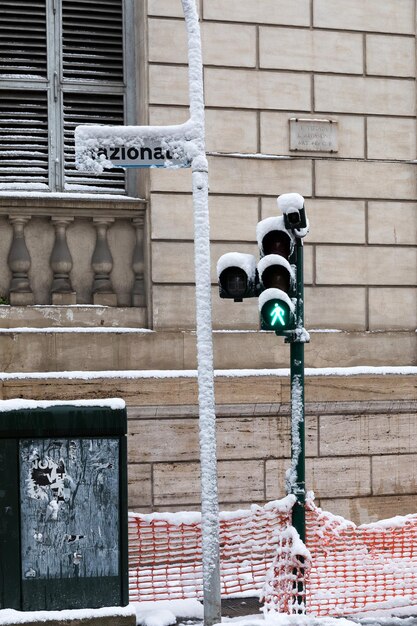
(276, 314)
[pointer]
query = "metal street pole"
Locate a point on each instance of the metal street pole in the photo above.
(297, 402)
(207, 417)
(298, 487)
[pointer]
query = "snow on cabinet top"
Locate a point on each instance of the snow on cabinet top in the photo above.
(17, 404)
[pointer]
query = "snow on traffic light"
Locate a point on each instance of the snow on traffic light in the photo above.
(276, 275)
(275, 278)
(237, 276)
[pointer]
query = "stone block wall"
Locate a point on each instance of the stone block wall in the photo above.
(267, 62)
(360, 444)
(360, 430)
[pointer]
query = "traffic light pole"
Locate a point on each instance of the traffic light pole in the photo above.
(297, 478)
(297, 470)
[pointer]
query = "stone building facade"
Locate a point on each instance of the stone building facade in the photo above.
(125, 243)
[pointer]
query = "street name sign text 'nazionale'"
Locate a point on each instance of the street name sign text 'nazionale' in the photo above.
(103, 147)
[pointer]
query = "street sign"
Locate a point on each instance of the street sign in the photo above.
(103, 147)
(151, 154)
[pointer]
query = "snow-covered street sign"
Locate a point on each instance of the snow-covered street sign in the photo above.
(102, 147)
(151, 154)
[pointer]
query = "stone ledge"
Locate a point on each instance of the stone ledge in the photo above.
(180, 391)
(43, 350)
(276, 408)
(77, 204)
(39, 316)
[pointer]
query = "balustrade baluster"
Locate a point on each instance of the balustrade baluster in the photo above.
(19, 263)
(61, 264)
(102, 264)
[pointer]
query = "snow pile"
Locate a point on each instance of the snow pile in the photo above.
(166, 612)
(10, 616)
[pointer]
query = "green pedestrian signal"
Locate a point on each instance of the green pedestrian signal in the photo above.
(277, 315)
(277, 311)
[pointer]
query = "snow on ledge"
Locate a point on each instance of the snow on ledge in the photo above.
(360, 370)
(17, 404)
(10, 616)
(67, 195)
(74, 329)
(284, 505)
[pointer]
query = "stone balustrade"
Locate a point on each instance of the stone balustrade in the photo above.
(69, 257)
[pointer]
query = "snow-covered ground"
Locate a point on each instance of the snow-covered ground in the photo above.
(187, 612)
(167, 613)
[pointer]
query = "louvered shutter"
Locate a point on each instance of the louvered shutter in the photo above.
(92, 39)
(90, 108)
(23, 140)
(80, 79)
(92, 54)
(23, 51)
(23, 113)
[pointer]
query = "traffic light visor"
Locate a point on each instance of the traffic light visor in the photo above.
(275, 271)
(273, 237)
(236, 273)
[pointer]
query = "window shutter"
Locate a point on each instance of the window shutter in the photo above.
(90, 108)
(23, 39)
(23, 113)
(92, 40)
(92, 53)
(23, 139)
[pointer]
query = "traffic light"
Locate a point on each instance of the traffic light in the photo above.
(277, 277)
(237, 276)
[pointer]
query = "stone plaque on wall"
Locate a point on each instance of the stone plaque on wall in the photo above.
(313, 135)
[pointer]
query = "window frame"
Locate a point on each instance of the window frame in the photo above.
(54, 85)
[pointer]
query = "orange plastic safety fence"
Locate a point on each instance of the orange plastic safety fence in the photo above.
(355, 568)
(342, 569)
(165, 559)
(285, 590)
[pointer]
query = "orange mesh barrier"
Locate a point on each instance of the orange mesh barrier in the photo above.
(165, 560)
(346, 568)
(358, 567)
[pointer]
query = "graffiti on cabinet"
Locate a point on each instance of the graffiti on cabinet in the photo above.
(69, 507)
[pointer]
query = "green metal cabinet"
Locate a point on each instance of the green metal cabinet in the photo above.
(63, 507)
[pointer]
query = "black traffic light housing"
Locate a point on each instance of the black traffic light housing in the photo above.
(276, 271)
(277, 278)
(237, 276)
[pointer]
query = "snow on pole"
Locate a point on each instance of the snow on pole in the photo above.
(207, 418)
